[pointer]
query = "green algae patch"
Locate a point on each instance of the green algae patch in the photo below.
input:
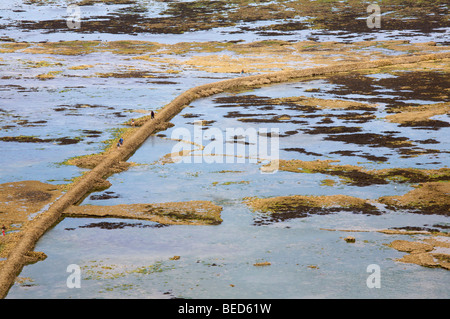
(48, 75)
(64, 47)
(130, 47)
(90, 161)
(41, 64)
(177, 17)
(34, 139)
(328, 182)
(172, 213)
(216, 57)
(227, 57)
(184, 213)
(231, 183)
(11, 47)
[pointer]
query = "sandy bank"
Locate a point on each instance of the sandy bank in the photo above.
(418, 113)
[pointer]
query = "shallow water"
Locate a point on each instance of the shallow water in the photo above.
(132, 260)
(218, 261)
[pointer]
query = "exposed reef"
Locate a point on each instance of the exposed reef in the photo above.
(429, 249)
(358, 176)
